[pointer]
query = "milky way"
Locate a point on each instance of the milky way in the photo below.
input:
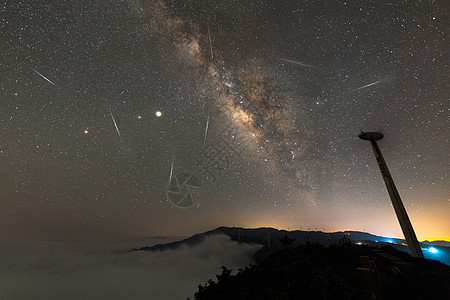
(103, 100)
(243, 91)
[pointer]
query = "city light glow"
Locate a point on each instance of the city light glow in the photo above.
(432, 250)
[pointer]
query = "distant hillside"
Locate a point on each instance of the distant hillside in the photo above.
(269, 238)
(436, 243)
(336, 272)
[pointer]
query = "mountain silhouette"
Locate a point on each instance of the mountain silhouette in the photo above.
(269, 239)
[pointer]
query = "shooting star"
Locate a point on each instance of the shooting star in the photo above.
(297, 63)
(43, 76)
(171, 172)
(115, 124)
(367, 85)
(210, 42)
(206, 130)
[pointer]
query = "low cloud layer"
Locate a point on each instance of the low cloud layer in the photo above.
(111, 271)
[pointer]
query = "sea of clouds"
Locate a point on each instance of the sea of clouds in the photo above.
(112, 271)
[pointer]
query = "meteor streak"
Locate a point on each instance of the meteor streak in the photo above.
(171, 171)
(43, 76)
(297, 63)
(367, 85)
(206, 130)
(210, 42)
(115, 124)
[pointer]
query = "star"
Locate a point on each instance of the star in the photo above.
(295, 96)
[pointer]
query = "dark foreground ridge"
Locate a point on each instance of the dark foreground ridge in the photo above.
(347, 271)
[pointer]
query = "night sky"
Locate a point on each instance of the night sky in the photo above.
(255, 105)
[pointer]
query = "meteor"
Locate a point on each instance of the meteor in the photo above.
(115, 124)
(206, 130)
(171, 171)
(297, 63)
(210, 42)
(367, 85)
(43, 76)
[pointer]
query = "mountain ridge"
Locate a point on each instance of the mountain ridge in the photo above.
(269, 238)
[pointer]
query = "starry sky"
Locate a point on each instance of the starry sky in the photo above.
(160, 117)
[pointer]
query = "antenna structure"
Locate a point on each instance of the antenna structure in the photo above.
(400, 211)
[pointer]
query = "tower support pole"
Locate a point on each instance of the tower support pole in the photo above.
(402, 216)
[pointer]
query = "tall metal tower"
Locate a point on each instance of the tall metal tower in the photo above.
(403, 219)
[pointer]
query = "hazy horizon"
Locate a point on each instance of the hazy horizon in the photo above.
(169, 238)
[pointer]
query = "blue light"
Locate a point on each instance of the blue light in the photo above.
(432, 250)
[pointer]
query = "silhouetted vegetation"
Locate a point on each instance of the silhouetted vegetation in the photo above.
(335, 272)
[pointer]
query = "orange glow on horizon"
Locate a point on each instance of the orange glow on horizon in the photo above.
(281, 225)
(430, 239)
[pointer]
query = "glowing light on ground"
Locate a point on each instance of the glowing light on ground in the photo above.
(158, 113)
(432, 250)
